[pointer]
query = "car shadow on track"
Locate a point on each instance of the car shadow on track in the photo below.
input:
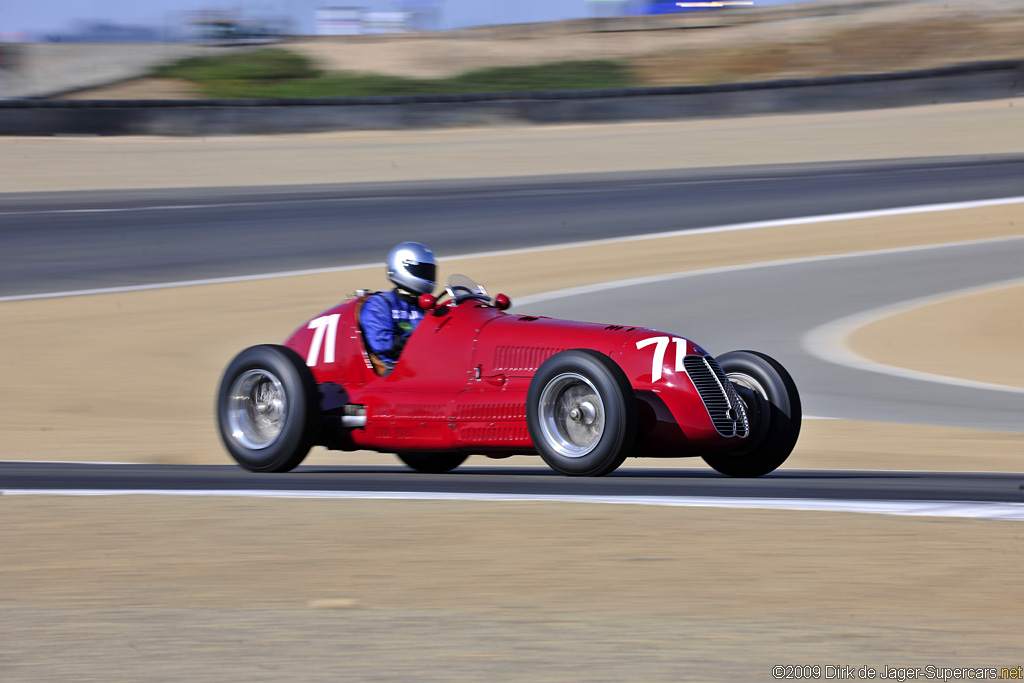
(623, 473)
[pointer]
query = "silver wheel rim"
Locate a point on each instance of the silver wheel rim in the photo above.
(746, 381)
(257, 409)
(572, 415)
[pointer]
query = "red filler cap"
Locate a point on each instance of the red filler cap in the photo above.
(427, 302)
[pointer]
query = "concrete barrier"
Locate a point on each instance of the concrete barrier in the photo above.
(53, 69)
(969, 82)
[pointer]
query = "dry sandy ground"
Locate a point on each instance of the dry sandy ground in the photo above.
(140, 89)
(208, 590)
(714, 47)
(989, 323)
(40, 164)
(157, 589)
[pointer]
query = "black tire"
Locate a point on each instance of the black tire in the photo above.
(773, 407)
(433, 463)
(268, 409)
(581, 412)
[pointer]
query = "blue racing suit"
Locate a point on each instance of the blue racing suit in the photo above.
(387, 320)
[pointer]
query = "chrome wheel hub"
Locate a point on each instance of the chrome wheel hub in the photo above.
(744, 380)
(257, 408)
(571, 415)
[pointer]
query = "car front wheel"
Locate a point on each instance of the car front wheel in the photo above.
(581, 413)
(773, 408)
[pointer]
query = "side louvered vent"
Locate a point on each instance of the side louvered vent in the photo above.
(521, 358)
(491, 411)
(724, 406)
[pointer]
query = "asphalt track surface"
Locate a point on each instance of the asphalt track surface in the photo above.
(54, 242)
(61, 242)
(773, 309)
(513, 481)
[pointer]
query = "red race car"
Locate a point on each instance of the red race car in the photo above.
(476, 379)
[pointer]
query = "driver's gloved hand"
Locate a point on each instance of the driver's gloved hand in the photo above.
(397, 345)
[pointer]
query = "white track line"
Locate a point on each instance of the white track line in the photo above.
(88, 462)
(444, 196)
(756, 225)
(830, 342)
(955, 509)
(827, 342)
(186, 283)
(654, 279)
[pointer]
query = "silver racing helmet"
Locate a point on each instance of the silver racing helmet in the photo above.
(411, 266)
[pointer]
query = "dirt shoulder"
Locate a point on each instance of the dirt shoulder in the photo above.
(53, 164)
(933, 338)
(141, 89)
(189, 588)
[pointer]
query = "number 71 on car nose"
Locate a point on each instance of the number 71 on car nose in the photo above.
(660, 348)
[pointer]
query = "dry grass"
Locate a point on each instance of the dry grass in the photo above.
(867, 48)
(141, 89)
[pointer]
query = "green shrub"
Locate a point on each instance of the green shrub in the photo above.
(278, 73)
(259, 66)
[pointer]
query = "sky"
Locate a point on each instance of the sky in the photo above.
(37, 17)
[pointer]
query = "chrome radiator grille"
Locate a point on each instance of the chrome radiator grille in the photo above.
(724, 406)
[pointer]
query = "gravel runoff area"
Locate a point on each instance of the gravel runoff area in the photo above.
(989, 323)
(62, 163)
(157, 589)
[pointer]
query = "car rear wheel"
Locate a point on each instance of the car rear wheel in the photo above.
(267, 409)
(773, 408)
(433, 463)
(581, 413)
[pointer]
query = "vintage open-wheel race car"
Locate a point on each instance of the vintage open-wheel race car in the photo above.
(475, 379)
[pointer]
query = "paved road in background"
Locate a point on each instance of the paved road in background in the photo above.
(69, 241)
(53, 242)
(772, 309)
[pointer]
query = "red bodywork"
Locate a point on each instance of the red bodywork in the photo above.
(462, 381)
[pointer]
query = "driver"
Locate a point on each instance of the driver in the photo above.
(388, 318)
